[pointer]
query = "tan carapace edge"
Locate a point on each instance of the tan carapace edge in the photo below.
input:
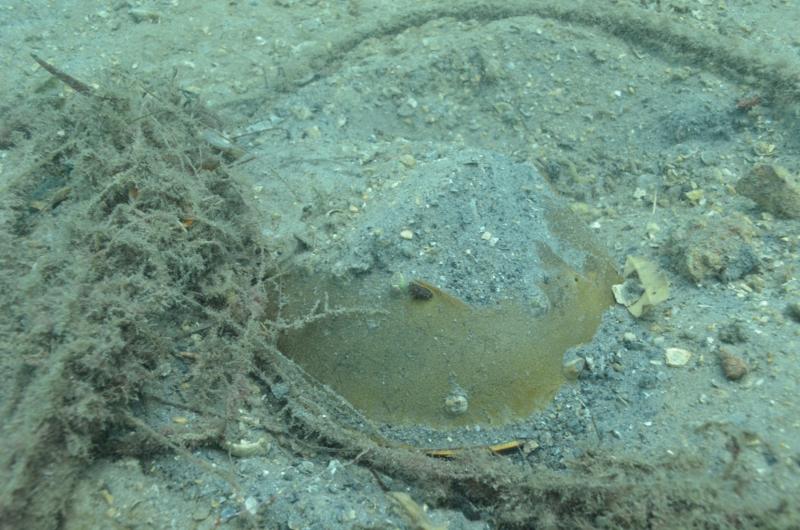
(422, 356)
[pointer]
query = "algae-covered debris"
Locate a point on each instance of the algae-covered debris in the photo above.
(720, 247)
(121, 246)
(773, 189)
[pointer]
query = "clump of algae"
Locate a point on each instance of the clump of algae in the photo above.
(121, 246)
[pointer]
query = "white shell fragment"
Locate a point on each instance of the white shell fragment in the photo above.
(677, 356)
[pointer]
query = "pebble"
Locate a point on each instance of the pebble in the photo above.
(406, 234)
(677, 356)
(733, 333)
(251, 505)
(408, 160)
(733, 366)
(773, 189)
(574, 368)
(139, 14)
(407, 108)
(306, 466)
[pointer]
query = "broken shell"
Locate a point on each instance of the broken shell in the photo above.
(677, 356)
(456, 402)
(245, 449)
(645, 285)
(219, 142)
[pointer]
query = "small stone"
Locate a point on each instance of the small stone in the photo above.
(764, 149)
(251, 505)
(139, 14)
(696, 197)
(573, 369)
(456, 403)
(312, 133)
(677, 356)
(733, 366)
(408, 160)
(306, 466)
(733, 333)
(718, 247)
(773, 189)
(406, 234)
(529, 447)
(407, 108)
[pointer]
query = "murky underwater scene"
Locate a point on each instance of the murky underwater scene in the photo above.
(358, 264)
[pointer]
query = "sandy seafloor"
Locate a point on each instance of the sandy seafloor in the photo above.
(643, 134)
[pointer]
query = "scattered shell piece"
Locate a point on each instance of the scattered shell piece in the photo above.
(456, 403)
(107, 496)
(216, 140)
(245, 449)
(764, 149)
(398, 282)
(629, 338)
(645, 285)
(628, 292)
(696, 196)
(140, 14)
(677, 356)
(406, 234)
(251, 505)
(413, 512)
